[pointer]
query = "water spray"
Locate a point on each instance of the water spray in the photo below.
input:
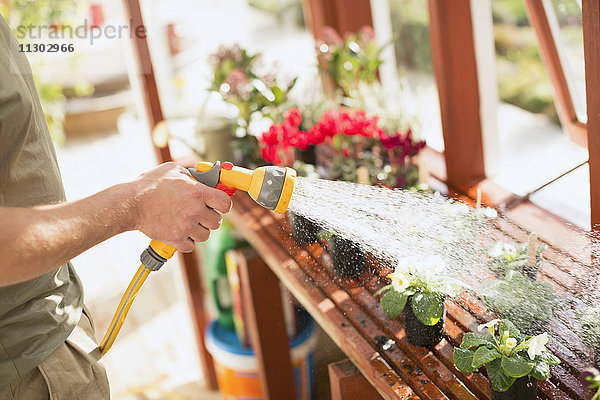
(269, 186)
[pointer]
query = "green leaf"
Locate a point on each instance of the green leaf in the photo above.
(428, 307)
(463, 359)
(516, 366)
(393, 303)
(540, 371)
(484, 355)
(506, 325)
(498, 378)
(471, 340)
(549, 358)
(383, 289)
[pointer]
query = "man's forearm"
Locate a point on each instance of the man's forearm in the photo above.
(39, 239)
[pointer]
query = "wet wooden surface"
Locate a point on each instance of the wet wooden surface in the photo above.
(350, 314)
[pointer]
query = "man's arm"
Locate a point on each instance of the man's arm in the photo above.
(165, 203)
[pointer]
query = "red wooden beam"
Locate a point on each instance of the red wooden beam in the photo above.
(455, 68)
(591, 46)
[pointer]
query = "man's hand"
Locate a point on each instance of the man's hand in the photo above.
(166, 203)
(173, 207)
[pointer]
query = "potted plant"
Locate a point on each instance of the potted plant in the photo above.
(347, 256)
(418, 291)
(256, 94)
(504, 257)
(589, 317)
(351, 61)
(514, 362)
(529, 304)
(590, 378)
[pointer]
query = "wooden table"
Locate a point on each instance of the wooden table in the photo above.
(349, 313)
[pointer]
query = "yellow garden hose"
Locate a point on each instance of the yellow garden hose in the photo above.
(126, 301)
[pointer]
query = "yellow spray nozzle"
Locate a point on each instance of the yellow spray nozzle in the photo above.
(269, 186)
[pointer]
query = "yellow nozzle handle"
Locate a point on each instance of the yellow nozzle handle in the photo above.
(230, 175)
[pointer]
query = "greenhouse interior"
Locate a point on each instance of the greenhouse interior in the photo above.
(354, 199)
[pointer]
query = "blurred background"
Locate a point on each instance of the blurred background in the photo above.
(95, 111)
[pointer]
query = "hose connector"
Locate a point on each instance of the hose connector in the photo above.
(155, 255)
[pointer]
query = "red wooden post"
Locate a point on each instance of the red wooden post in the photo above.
(591, 45)
(455, 67)
(154, 114)
(262, 302)
(342, 15)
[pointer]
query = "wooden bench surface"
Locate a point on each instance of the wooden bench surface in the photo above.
(349, 313)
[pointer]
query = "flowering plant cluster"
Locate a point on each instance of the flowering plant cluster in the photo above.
(420, 281)
(506, 354)
(351, 61)
(351, 139)
(504, 257)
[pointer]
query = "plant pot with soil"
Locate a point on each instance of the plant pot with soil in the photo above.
(418, 292)
(514, 362)
(304, 231)
(347, 256)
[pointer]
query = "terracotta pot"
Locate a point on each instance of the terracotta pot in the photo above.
(524, 388)
(419, 334)
(347, 256)
(304, 231)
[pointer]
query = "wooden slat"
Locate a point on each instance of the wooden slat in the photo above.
(262, 303)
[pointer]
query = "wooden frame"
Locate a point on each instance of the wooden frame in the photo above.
(591, 43)
(154, 115)
(549, 52)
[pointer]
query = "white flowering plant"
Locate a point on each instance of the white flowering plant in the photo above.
(506, 353)
(421, 282)
(504, 257)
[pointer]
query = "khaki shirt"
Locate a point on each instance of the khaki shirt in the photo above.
(38, 315)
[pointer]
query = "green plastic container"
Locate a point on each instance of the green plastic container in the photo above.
(215, 270)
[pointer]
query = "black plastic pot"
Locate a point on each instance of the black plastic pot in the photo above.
(524, 388)
(347, 256)
(419, 334)
(304, 231)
